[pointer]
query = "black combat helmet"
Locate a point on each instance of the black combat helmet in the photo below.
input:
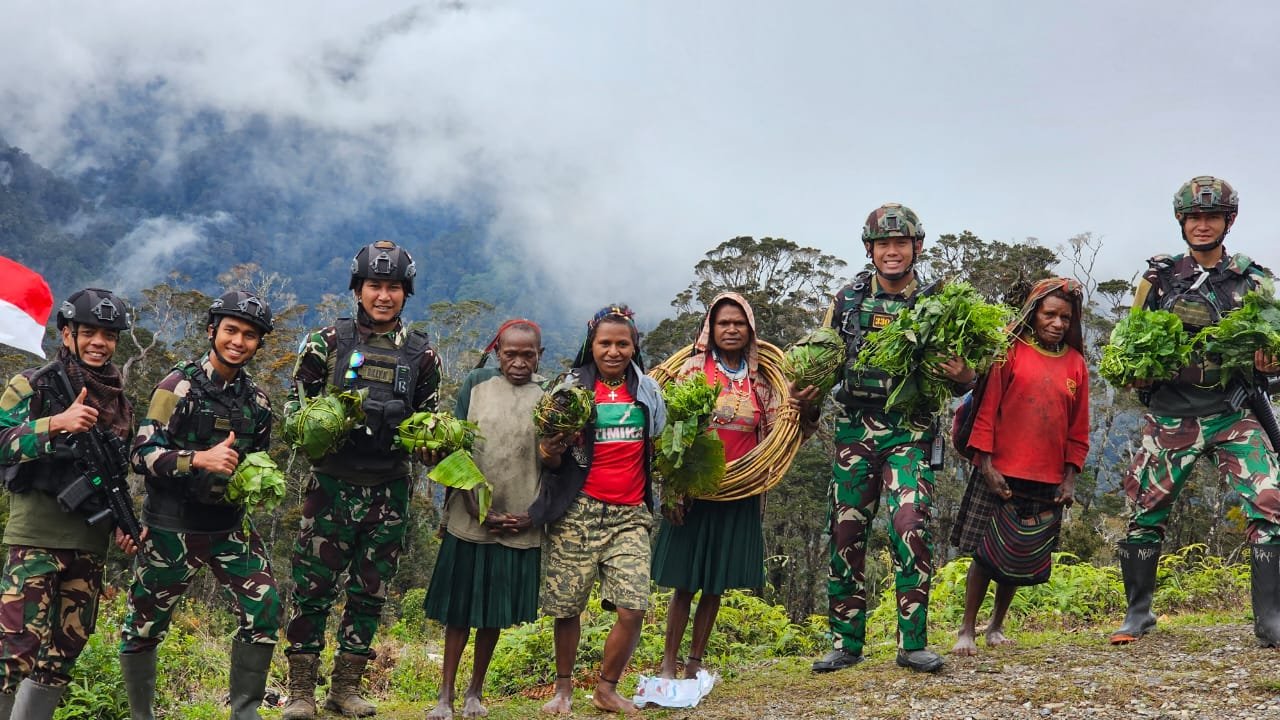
(244, 306)
(94, 306)
(383, 260)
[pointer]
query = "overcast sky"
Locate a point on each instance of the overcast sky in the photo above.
(641, 134)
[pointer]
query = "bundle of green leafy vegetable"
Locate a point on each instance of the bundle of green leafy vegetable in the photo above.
(459, 471)
(257, 483)
(436, 431)
(1253, 326)
(565, 408)
(321, 425)
(689, 458)
(954, 323)
(1145, 345)
(815, 359)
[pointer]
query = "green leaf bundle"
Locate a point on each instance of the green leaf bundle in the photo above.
(702, 468)
(436, 431)
(565, 408)
(257, 483)
(687, 456)
(1145, 345)
(816, 359)
(1253, 326)
(460, 472)
(956, 322)
(321, 425)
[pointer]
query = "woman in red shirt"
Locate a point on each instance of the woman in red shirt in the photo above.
(596, 500)
(1030, 438)
(711, 546)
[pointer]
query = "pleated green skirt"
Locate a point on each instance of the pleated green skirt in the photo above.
(483, 585)
(719, 546)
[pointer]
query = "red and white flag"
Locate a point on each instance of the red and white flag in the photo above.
(25, 303)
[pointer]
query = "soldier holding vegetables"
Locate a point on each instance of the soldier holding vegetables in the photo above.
(355, 512)
(1194, 413)
(204, 417)
(880, 451)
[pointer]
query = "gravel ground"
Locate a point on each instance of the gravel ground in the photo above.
(1206, 672)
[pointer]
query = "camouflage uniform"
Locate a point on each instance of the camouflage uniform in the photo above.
(190, 524)
(53, 572)
(1192, 415)
(877, 452)
(355, 514)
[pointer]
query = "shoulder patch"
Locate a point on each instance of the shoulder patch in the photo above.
(163, 403)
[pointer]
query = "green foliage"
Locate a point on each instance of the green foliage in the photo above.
(1145, 345)
(1253, 326)
(321, 425)
(689, 458)
(1002, 272)
(565, 408)
(257, 483)
(956, 322)
(436, 431)
(816, 359)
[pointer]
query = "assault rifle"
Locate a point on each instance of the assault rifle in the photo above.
(102, 465)
(1257, 396)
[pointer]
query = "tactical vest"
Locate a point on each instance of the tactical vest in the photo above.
(389, 377)
(210, 413)
(1200, 301)
(857, 314)
(53, 473)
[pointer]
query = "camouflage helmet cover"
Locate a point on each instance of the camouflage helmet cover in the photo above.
(245, 306)
(383, 260)
(94, 306)
(1206, 194)
(892, 220)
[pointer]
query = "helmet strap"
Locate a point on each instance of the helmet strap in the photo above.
(213, 333)
(1208, 247)
(893, 277)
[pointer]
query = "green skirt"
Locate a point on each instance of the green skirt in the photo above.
(719, 546)
(483, 585)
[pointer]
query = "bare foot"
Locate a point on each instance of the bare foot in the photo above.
(691, 668)
(965, 645)
(996, 638)
(442, 711)
(667, 671)
(606, 698)
(562, 703)
(472, 708)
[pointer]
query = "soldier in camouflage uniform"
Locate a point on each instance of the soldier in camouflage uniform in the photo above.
(1191, 415)
(880, 452)
(204, 417)
(355, 513)
(53, 572)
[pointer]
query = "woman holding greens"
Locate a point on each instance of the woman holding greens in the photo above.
(596, 501)
(504, 550)
(1029, 441)
(709, 546)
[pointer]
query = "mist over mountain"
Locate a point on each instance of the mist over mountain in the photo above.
(157, 198)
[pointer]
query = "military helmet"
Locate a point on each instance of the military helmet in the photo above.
(383, 260)
(242, 305)
(94, 306)
(892, 220)
(1206, 194)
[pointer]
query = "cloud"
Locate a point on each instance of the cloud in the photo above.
(634, 137)
(154, 243)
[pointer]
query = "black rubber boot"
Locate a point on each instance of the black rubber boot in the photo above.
(35, 701)
(249, 667)
(1266, 593)
(139, 672)
(1138, 563)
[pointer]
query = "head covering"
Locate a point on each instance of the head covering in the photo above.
(616, 310)
(1073, 290)
(493, 344)
(705, 341)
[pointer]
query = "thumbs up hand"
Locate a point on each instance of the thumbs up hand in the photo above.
(75, 419)
(221, 459)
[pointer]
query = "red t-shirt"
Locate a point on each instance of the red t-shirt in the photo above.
(1034, 416)
(737, 415)
(616, 475)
